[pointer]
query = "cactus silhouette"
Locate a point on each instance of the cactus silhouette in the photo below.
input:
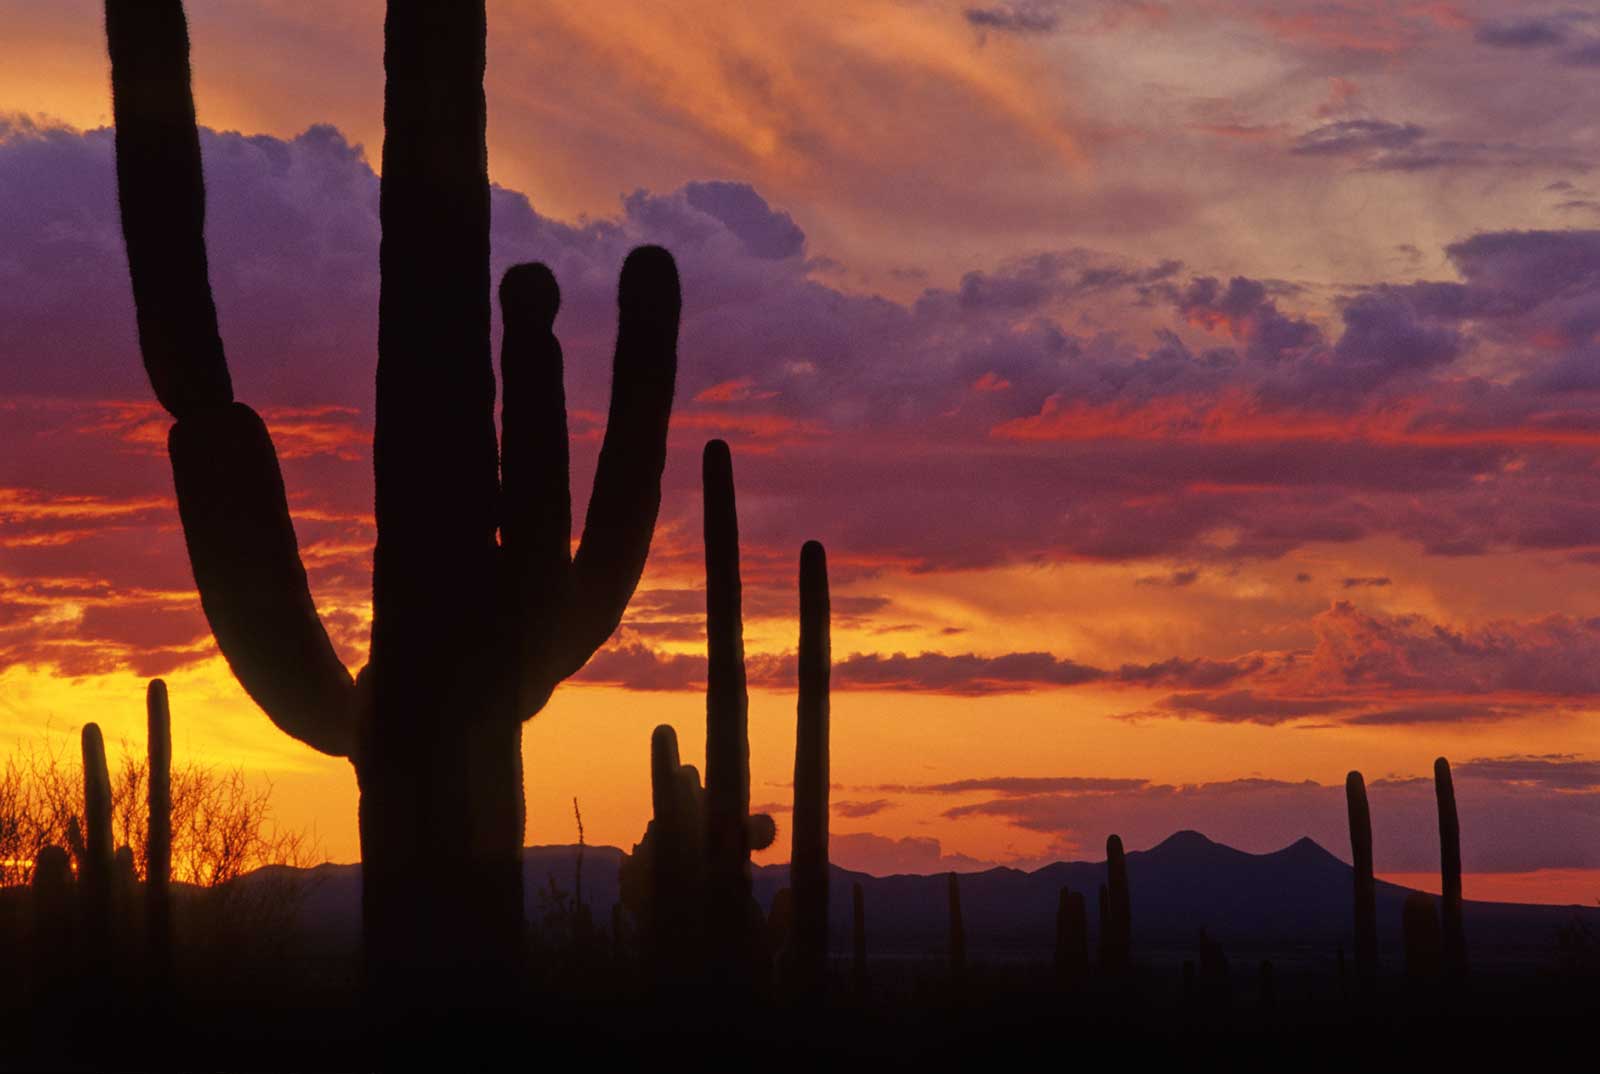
(95, 868)
(1452, 928)
(1366, 891)
(958, 936)
(858, 939)
(1072, 939)
(688, 879)
(732, 933)
(158, 845)
(808, 861)
(470, 634)
(1116, 921)
(1419, 929)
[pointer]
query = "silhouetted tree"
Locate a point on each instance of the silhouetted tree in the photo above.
(470, 634)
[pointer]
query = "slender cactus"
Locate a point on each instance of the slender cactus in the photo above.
(858, 939)
(958, 935)
(1366, 891)
(1117, 927)
(158, 846)
(1072, 939)
(1453, 928)
(808, 862)
(470, 633)
(1419, 928)
(733, 926)
(95, 868)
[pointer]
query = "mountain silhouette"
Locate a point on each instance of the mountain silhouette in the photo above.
(1291, 901)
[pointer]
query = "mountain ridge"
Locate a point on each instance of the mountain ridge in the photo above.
(1297, 897)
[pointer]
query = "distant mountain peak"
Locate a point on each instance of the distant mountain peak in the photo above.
(1187, 839)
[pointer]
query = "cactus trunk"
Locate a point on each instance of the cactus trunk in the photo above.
(1453, 929)
(808, 868)
(1366, 891)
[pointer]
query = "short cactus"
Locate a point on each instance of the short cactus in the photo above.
(1116, 924)
(1072, 939)
(1424, 947)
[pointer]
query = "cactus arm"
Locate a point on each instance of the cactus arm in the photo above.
(230, 493)
(627, 483)
(247, 568)
(570, 604)
(162, 196)
(536, 501)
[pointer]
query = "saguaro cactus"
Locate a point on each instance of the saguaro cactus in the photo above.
(158, 845)
(958, 934)
(1116, 926)
(730, 929)
(1072, 938)
(95, 867)
(1366, 890)
(1453, 928)
(1419, 929)
(470, 634)
(858, 938)
(808, 861)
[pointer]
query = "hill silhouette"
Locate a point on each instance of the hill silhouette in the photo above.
(1289, 901)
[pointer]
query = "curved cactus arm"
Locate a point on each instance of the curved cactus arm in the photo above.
(621, 517)
(570, 604)
(535, 498)
(252, 586)
(162, 196)
(230, 493)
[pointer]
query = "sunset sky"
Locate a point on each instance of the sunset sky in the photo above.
(1197, 399)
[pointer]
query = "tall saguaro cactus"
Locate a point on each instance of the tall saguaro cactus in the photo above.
(470, 633)
(729, 906)
(808, 860)
(1453, 928)
(1366, 890)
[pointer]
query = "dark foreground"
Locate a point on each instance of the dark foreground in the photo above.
(600, 1015)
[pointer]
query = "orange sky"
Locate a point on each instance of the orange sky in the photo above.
(989, 375)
